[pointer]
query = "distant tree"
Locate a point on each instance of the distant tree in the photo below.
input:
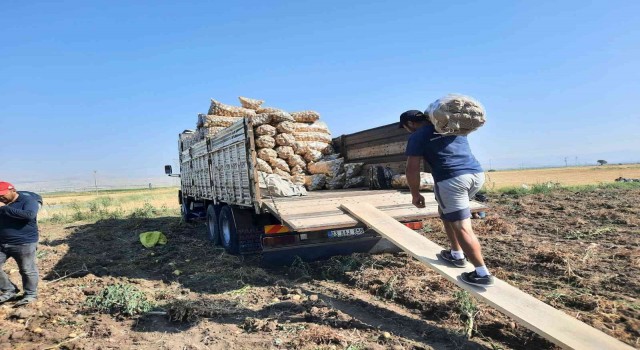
(602, 162)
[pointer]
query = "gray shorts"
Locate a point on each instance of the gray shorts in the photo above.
(453, 195)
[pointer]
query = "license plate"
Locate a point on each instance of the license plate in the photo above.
(346, 232)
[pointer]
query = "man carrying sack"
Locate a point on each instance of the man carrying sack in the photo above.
(458, 176)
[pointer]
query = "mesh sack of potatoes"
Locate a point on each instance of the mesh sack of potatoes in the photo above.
(297, 169)
(283, 174)
(212, 130)
(357, 181)
(400, 181)
(286, 127)
(330, 168)
(265, 142)
(267, 154)
(285, 140)
(312, 136)
(298, 179)
(284, 152)
(315, 182)
(318, 126)
(337, 182)
(297, 160)
(300, 149)
(323, 147)
(305, 116)
(313, 156)
(219, 108)
(266, 129)
(250, 103)
(277, 163)
(218, 120)
(261, 165)
(353, 169)
(260, 119)
(456, 114)
(279, 117)
(269, 110)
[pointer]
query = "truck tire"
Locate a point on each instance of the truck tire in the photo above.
(213, 227)
(185, 210)
(228, 231)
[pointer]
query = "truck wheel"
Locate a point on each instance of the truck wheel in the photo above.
(228, 231)
(185, 211)
(213, 229)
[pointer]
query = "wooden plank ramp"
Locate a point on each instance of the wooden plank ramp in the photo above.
(548, 322)
(321, 210)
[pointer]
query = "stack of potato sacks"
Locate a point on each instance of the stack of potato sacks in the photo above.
(296, 146)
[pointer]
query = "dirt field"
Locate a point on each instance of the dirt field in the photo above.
(576, 250)
(565, 176)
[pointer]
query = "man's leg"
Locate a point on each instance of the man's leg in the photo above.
(25, 256)
(451, 234)
(467, 240)
(7, 289)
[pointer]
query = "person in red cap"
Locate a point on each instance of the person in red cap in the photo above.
(18, 240)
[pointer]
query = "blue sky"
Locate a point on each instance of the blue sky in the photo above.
(107, 86)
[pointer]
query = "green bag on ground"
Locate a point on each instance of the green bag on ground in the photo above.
(151, 238)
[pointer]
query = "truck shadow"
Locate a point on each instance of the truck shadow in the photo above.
(112, 248)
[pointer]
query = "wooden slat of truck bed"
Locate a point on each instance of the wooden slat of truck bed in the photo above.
(322, 210)
(548, 322)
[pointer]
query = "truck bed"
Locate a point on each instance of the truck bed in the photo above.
(320, 210)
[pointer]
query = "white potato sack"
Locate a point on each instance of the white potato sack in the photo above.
(330, 168)
(283, 174)
(296, 160)
(323, 147)
(265, 142)
(284, 152)
(305, 116)
(277, 163)
(312, 136)
(313, 156)
(220, 121)
(267, 154)
(250, 103)
(279, 117)
(456, 114)
(286, 127)
(317, 126)
(261, 165)
(400, 181)
(266, 130)
(285, 140)
(219, 108)
(269, 110)
(260, 119)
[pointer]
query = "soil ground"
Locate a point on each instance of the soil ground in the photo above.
(576, 250)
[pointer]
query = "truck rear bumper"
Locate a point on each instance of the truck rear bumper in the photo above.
(320, 251)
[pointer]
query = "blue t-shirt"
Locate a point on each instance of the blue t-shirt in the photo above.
(448, 156)
(18, 220)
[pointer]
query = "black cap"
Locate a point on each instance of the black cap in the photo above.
(413, 115)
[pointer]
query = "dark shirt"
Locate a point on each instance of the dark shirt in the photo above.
(18, 220)
(448, 156)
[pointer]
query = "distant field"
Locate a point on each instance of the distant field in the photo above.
(68, 207)
(569, 176)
